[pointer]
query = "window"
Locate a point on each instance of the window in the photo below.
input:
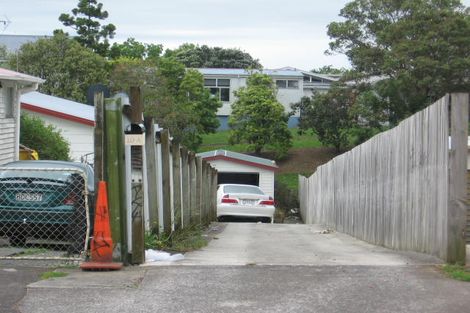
(219, 87)
(283, 83)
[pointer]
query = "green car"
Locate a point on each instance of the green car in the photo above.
(46, 200)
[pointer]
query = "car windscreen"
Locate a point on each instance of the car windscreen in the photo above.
(55, 175)
(242, 189)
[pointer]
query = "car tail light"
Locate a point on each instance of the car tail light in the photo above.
(267, 202)
(227, 199)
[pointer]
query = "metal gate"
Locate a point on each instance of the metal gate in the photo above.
(44, 213)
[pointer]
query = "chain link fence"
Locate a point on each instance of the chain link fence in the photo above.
(44, 212)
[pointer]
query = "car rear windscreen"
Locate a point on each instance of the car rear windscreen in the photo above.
(242, 189)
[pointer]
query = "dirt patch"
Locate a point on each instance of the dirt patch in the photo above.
(305, 160)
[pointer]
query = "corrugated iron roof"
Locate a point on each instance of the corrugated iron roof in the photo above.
(16, 76)
(243, 72)
(239, 156)
(59, 105)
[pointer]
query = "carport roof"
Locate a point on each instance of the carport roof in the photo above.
(239, 158)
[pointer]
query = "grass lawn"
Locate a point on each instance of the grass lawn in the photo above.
(219, 140)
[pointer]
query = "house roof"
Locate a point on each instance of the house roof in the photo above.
(245, 73)
(14, 42)
(239, 158)
(58, 107)
(19, 77)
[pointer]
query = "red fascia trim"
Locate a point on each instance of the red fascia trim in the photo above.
(64, 116)
(226, 158)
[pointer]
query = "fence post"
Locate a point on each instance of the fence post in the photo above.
(457, 208)
(175, 153)
(112, 166)
(138, 229)
(165, 138)
(151, 155)
(214, 194)
(193, 187)
(198, 190)
(185, 205)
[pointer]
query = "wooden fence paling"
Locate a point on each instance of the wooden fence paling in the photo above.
(457, 211)
(175, 153)
(165, 143)
(214, 194)
(193, 189)
(152, 173)
(198, 210)
(395, 189)
(185, 182)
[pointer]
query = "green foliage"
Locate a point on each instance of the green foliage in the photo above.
(174, 96)
(52, 274)
(181, 240)
(45, 139)
(329, 69)
(419, 47)
(195, 56)
(132, 49)
(85, 20)
(286, 191)
(220, 140)
(328, 115)
(3, 56)
(456, 271)
(68, 68)
(258, 118)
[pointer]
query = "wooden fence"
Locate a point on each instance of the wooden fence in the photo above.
(403, 189)
(181, 186)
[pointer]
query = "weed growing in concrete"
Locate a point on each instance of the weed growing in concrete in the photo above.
(456, 271)
(53, 274)
(181, 240)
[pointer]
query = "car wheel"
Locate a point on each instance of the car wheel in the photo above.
(17, 240)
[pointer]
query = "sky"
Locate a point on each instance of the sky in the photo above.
(278, 33)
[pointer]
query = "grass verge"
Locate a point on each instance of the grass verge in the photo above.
(219, 140)
(53, 274)
(458, 272)
(181, 240)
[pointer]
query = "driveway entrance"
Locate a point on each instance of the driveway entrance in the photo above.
(294, 244)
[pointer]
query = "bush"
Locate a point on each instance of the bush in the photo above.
(45, 139)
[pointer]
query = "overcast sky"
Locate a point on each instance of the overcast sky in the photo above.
(278, 33)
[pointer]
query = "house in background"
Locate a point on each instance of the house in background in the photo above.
(12, 85)
(239, 168)
(13, 42)
(76, 121)
(292, 85)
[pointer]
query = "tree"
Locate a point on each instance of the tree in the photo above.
(45, 139)
(68, 68)
(258, 118)
(329, 69)
(327, 114)
(174, 96)
(195, 56)
(85, 21)
(132, 49)
(420, 48)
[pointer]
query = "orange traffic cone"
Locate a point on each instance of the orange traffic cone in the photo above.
(101, 242)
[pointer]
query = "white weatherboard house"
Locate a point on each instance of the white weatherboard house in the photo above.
(76, 121)
(239, 168)
(292, 84)
(12, 85)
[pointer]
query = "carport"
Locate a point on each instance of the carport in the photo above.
(239, 168)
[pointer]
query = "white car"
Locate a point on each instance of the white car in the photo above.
(244, 201)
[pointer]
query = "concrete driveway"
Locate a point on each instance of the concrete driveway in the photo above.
(263, 268)
(299, 244)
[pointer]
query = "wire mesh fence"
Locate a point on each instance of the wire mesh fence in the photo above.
(44, 212)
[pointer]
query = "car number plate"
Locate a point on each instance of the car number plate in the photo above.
(248, 202)
(29, 197)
